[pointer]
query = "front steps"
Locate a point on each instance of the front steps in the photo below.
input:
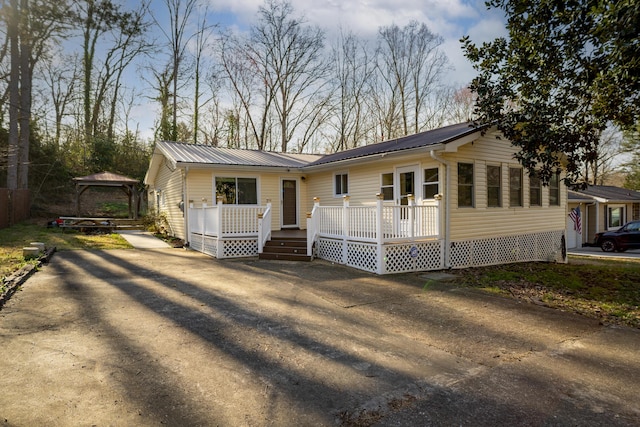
(286, 248)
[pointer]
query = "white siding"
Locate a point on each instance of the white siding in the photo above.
(365, 180)
(482, 221)
(169, 182)
(201, 185)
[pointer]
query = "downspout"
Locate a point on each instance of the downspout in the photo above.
(447, 186)
(185, 204)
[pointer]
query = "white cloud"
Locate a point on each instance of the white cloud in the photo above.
(451, 19)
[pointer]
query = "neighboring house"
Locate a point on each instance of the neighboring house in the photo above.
(602, 208)
(446, 198)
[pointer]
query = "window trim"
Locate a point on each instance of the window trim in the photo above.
(430, 183)
(335, 176)
(555, 189)
(236, 177)
(512, 189)
(538, 189)
(471, 186)
(499, 167)
(383, 186)
(609, 208)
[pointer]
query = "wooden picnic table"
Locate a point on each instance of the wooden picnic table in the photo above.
(77, 222)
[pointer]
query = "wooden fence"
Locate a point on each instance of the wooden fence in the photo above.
(14, 206)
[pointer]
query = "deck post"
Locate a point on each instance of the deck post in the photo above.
(345, 228)
(379, 236)
(203, 225)
(312, 226)
(219, 242)
(412, 209)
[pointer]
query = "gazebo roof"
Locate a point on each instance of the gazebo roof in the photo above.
(105, 179)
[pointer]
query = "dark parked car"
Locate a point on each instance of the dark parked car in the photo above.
(626, 237)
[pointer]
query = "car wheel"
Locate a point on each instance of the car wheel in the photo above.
(608, 246)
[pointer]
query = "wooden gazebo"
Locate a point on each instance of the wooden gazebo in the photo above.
(109, 179)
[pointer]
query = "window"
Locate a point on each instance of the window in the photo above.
(465, 185)
(515, 187)
(554, 190)
(615, 217)
(494, 188)
(341, 184)
(386, 187)
(237, 191)
(535, 190)
(430, 184)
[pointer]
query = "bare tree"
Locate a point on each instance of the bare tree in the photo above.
(353, 70)
(202, 37)
(247, 82)
(598, 169)
(180, 12)
(12, 17)
(31, 26)
(99, 19)
(282, 63)
(410, 65)
(60, 78)
(462, 105)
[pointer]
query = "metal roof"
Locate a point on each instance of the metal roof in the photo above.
(207, 154)
(607, 193)
(105, 177)
(423, 139)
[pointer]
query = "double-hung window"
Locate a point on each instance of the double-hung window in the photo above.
(515, 187)
(554, 190)
(494, 189)
(430, 185)
(465, 185)
(341, 184)
(386, 186)
(535, 190)
(237, 191)
(615, 216)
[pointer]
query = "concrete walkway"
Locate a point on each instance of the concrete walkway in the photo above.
(143, 239)
(591, 251)
(174, 337)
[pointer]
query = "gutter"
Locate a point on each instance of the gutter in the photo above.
(447, 229)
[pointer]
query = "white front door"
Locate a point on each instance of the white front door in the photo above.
(406, 183)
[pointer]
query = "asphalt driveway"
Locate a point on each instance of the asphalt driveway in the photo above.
(173, 337)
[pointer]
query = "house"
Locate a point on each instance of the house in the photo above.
(452, 197)
(601, 208)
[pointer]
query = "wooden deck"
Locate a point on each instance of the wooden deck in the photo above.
(290, 233)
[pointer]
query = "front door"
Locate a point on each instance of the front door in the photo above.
(289, 203)
(406, 179)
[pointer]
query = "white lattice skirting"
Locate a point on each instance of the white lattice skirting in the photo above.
(231, 248)
(547, 246)
(429, 255)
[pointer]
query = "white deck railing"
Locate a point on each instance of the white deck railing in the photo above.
(377, 224)
(227, 220)
(264, 227)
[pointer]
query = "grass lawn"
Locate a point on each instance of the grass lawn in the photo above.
(606, 289)
(14, 238)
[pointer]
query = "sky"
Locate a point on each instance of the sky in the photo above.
(450, 19)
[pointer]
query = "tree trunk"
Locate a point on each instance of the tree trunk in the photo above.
(14, 96)
(25, 96)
